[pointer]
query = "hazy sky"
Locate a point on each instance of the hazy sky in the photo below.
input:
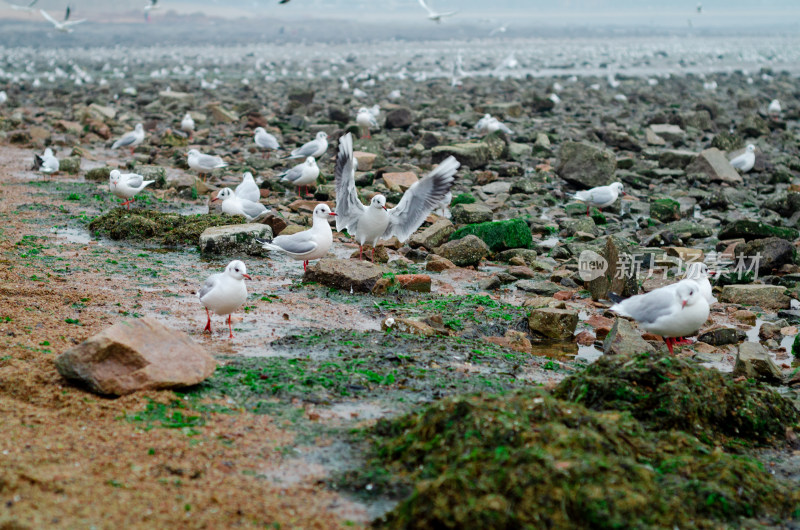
(715, 13)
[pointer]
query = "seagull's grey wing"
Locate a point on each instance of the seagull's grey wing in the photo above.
(74, 22)
(348, 206)
(739, 162)
(650, 307)
(293, 174)
(134, 180)
(506, 129)
(299, 243)
(306, 150)
(425, 5)
(48, 17)
(267, 141)
(126, 140)
(601, 195)
(420, 200)
(252, 209)
(208, 286)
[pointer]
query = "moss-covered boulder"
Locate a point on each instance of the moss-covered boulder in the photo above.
(665, 210)
(70, 165)
(466, 251)
(527, 460)
(670, 393)
(471, 213)
(156, 227)
(462, 198)
(471, 155)
(585, 165)
(99, 174)
(749, 230)
(498, 235)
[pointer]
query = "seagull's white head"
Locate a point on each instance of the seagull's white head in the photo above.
(48, 152)
(247, 175)
(114, 177)
(237, 270)
(688, 293)
(697, 271)
(193, 152)
(311, 162)
(322, 135)
(224, 194)
(323, 211)
(378, 201)
(751, 148)
(362, 110)
(260, 130)
(617, 186)
(139, 127)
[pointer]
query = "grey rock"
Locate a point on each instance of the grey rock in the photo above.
(235, 239)
(553, 324)
(670, 133)
(433, 236)
(625, 339)
(624, 284)
(360, 276)
(140, 354)
(471, 213)
(676, 159)
(765, 296)
(586, 165)
(469, 250)
(713, 163)
(765, 255)
(754, 362)
(471, 155)
(401, 118)
(721, 336)
(541, 288)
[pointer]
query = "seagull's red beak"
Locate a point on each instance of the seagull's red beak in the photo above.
(712, 273)
(385, 208)
(683, 304)
(215, 199)
(247, 277)
(332, 213)
(627, 195)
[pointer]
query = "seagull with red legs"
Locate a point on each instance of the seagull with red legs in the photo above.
(126, 185)
(369, 224)
(308, 244)
(677, 310)
(302, 175)
(225, 292)
(601, 196)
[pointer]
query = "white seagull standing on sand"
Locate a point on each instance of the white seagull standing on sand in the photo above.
(774, 110)
(204, 163)
(130, 139)
(746, 160)
(225, 292)
(47, 163)
(187, 124)
(126, 185)
(248, 189)
(371, 223)
(433, 15)
(234, 205)
(365, 119)
(302, 175)
(309, 244)
(265, 140)
(677, 310)
(315, 147)
(64, 26)
(600, 196)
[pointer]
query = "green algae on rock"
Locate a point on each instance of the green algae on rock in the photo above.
(169, 229)
(749, 230)
(670, 393)
(499, 235)
(527, 460)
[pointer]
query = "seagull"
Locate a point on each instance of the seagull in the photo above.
(374, 222)
(489, 124)
(774, 109)
(3, 97)
(149, 7)
(600, 196)
(309, 244)
(699, 8)
(433, 15)
(126, 185)
(265, 140)
(501, 29)
(204, 163)
(28, 8)
(66, 25)
(130, 139)
(315, 147)
(225, 292)
(746, 160)
(187, 124)
(302, 175)
(677, 310)
(47, 163)
(233, 205)
(443, 208)
(248, 189)
(699, 272)
(366, 121)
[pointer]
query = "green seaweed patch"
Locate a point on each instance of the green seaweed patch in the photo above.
(528, 460)
(670, 393)
(463, 198)
(498, 235)
(796, 347)
(750, 230)
(168, 229)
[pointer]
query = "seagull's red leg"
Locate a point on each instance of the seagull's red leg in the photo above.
(373, 254)
(360, 253)
(230, 327)
(305, 265)
(587, 209)
(208, 326)
(669, 342)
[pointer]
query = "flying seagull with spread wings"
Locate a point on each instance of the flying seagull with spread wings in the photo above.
(433, 15)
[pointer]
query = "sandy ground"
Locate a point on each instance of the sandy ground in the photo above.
(69, 458)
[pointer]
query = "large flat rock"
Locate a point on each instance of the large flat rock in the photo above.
(360, 276)
(231, 240)
(140, 354)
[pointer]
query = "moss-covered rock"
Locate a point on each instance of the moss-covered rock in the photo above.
(465, 251)
(471, 155)
(670, 393)
(749, 230)
(665, 210)
(70, 165)
(99, 174)
(527, 460)
(163, 228)
(498, 235)
(462, 198)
